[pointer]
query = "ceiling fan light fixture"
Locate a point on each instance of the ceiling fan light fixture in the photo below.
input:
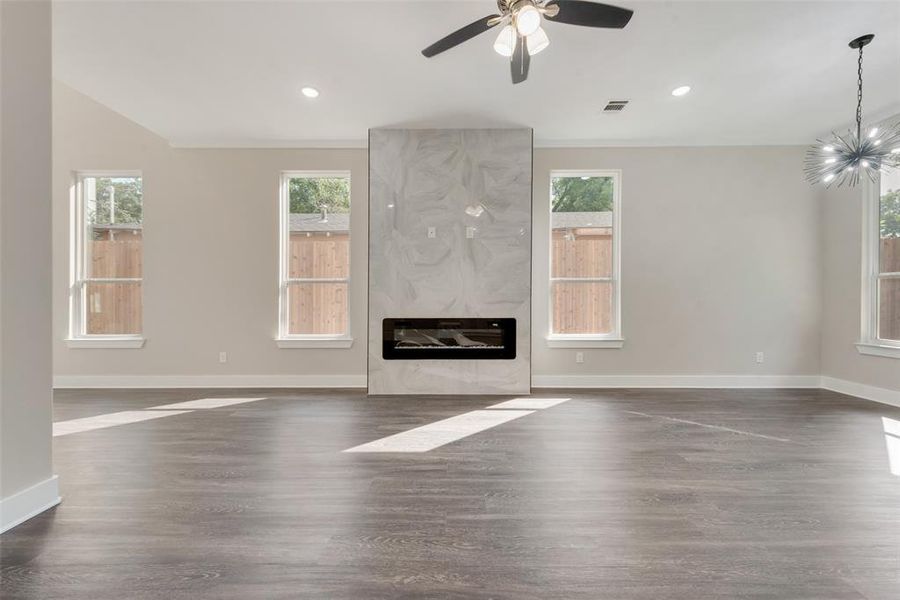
(528, 19)
(520, 22)
(505, 43)
(537, 41)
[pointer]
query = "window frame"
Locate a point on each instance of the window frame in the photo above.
(870, 343)
(77, 335)
(285, 339)
(614, 338)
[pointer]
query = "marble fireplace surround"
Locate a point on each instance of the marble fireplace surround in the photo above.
(473, 187)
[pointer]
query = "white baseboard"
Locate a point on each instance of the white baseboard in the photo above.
(852, 388)
(675, 381)
(30, 502)
(208, 381)
(861, 390)
(359, 381)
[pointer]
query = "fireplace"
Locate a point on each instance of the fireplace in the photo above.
(449, 236)
(453, 339)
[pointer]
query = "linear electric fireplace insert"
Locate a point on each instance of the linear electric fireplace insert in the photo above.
(404, 339)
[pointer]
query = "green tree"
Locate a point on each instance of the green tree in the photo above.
(128, 201)
(309, 195)
(890, 214)
(582, 194)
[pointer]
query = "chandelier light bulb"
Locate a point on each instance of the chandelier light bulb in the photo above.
(830, 160)
(828, 177)
(505, 43)
(864, 164)
(537, 41)
(528, 20)
(873, 132)
(828, 148)
(877, 142)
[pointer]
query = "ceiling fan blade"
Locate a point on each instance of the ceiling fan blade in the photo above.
(461, 35)
(521, 60)
(589, 14)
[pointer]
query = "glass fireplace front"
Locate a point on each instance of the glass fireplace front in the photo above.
(405, 339)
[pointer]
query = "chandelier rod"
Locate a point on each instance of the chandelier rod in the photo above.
(859, 90)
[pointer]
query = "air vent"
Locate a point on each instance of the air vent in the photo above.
(615, 106)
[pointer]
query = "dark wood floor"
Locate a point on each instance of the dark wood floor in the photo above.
(585, 500)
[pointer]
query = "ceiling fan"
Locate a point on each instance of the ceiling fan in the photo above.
(522, 35)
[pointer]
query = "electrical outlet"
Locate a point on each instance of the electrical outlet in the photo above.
(223, 357)
(432, 232)
(579, 357)
(470, 232)
(760, 357)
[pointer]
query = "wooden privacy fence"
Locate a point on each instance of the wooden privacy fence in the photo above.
(889, 301)
(321, 307)
(114, 308)
(318, 307)
(581, 306)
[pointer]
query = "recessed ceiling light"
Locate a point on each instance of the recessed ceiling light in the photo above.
(310, 92)
(681, 91)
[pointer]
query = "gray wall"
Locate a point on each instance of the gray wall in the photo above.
(422, 178)
(210, 256)
(842, 268)
(722, 258)
(26, 479)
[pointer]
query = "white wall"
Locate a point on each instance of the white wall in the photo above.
(27, 483)
(721, 259)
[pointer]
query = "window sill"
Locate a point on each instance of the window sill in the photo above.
(120, 342)
(876, 349)
(562, 341)
(315, 342)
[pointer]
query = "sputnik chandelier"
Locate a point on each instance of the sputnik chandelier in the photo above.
(844, 158)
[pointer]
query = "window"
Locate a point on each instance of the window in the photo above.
(584, 259)
(315, 260)
(881, 252)
(107, 260)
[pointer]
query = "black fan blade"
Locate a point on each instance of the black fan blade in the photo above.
(520, 60)
(461, 35)
(590, 14)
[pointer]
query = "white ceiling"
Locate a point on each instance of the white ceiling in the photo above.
(229, 73)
